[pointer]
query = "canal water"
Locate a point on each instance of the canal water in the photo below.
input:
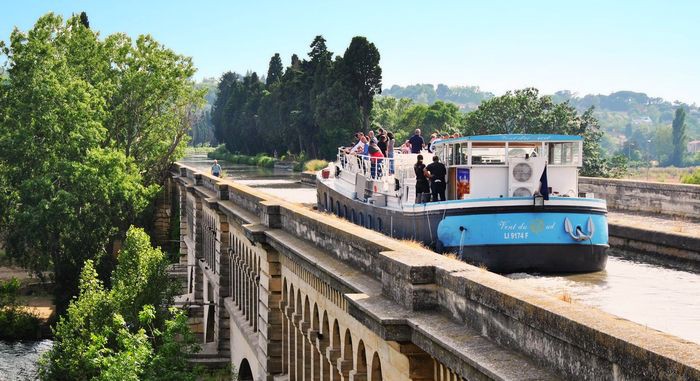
(18, 360)
(656, 297)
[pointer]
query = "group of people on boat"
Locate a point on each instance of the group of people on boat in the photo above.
(376, 148)
(430, 180)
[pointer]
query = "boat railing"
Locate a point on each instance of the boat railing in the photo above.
(399, 167)
(373, 168)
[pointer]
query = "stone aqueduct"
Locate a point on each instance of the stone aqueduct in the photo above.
(286, 293)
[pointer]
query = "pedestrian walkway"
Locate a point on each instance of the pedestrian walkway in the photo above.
(655, 223)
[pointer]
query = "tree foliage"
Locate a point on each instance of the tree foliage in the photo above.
(312, 106)
(679, 137)
(126, 332)
(88, 127)
(525, 111)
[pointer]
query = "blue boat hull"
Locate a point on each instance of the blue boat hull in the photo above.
(536, 258)
(528, 241)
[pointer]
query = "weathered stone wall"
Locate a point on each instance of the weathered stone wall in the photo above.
(314, 297)
(677, 200)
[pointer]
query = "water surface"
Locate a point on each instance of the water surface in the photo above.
(18, 359)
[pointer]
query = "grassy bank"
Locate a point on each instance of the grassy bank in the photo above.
(198, 150)
(263, 160)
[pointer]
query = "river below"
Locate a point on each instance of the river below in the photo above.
(18, 359)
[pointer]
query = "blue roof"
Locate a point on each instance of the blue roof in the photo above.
(514, 138)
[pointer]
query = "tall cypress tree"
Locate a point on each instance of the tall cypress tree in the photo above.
(274, 72)
(679, 137)
(362, 60)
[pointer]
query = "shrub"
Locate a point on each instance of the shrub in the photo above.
(128, 332)
(16, 322)
(693, 178)
(315, 165)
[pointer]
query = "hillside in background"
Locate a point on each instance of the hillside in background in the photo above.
(634, 123)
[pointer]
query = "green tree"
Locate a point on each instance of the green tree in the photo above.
(679, 137)
(87, 128)
(274, 72)
(524, 111)
(116, 334)
(84, 20)
(362, 62)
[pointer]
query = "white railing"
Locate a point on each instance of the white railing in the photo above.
(399, 167)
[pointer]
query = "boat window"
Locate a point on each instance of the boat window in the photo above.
(457, 154)
(440, 152)
(521, 150)
(564, 153)
(488, 154)
(451, 149)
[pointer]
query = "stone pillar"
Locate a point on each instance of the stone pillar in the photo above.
(420, 364)
(332, 356)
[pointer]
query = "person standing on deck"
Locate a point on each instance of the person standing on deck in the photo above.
(216, 169)
(417, 142)
(422, 186)
(390, 151)
(437, 179)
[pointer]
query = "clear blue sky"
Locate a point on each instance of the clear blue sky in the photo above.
(583, 46)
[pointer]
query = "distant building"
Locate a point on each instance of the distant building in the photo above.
(642, 120)
(694, 146)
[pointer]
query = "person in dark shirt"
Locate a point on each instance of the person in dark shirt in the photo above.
(437, 179)
(382, 145)
(422, 186)
(417, 142)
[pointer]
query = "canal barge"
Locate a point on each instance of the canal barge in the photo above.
(512, 202)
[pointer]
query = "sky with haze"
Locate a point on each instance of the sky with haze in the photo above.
(585, 46)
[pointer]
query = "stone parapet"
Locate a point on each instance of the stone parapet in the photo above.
(675, 200)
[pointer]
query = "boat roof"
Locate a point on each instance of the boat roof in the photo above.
(513, 138)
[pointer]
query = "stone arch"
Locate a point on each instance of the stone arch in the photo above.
(307, 310)
(376, 368)
(332, 210)
(345, 211)
(297, 307)
(291, 331)
(347, 356)
(337, 209)
(324, 344)
(362, 219)
(334, 352)
(361, 359)
(315, 319)
(285, 323)
(210, 323)
(244, 371)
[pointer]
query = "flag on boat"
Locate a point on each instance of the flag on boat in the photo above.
(544, 187)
